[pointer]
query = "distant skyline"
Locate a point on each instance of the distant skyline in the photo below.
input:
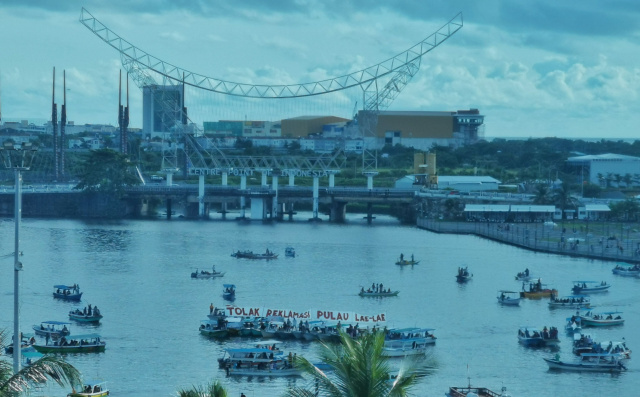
(534, 69)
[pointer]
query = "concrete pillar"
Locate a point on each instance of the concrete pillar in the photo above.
(168, 204)
(169, 178)
(201, 207)
(243, 199)
(332, 180)
(290, 211)
(316, 184)
(274, 202)
(370, 175)
(264, 179)
(292, 180)
(338, 211)
(223, 210)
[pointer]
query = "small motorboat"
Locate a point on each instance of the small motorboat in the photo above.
(508, 298)
(207, 274)
(470, 391)
(370, 293)
(604, 319)
(463, 275)
(627, 271)
(89, 343)
(213, 328)
(67, 292)
(592, 362)
(525, 276)
(532, 336)
(406, 262)
(589, 287)
(290, 252)
(90, 389)
(569, 302)
(52, 329)
(87, 315)
(537, 290)
(251, 255)
(229, 291)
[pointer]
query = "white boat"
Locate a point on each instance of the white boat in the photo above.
(592, 362)
(525, 276)
(589, 287)
(573, 325)
(604, 319)
(258, 361)
(569, 302)
(584, 343)
(401, 342)
(52, 329)
(228, 292)
(508, 298)
(532, 336)
(628, 271)
(207, 274)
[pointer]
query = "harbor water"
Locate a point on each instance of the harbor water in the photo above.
(138, 273)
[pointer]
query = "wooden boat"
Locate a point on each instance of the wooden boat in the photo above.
(537, 290)
(207, 274)
(26, 345)
(67, 292)
(627, 271)
(475, 392)
(569, 302)
(213, 328)
(228, 291)
(404, 262)
(290, 252)
(92, 315)
(370, 293)
(251, 255)
(508, 298)
(592, 362)
(463, 275)
(93, 389)
(89, 343)
(589, 287)
(604, 319)
(52, 329)
(531, 336)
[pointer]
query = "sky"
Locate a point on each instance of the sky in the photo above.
(533, 68)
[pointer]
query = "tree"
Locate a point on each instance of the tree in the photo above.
(562, 198)
(108, 171)
(42, 370)
(211, 390)
(541, 194)
(359, 369)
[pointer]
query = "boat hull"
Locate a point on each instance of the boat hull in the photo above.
(407, 263)
(546, 293)
(585, 366)
(218, 333)
(587, 322)
(71, 297)
(378, 294)
(509, 301)
(85, 319)
(70, 349)
(464, 391)
(264, 372)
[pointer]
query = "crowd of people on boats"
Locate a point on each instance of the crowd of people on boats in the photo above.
(533, 287)
(547, 333)
(87, 311)
(569, 299)
(463, 271)
(75, 288)
(600, 316)
(376, 288)
(63, 341)
(525, 273)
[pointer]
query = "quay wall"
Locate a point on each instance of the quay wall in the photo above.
(578, 242)
(68, 205)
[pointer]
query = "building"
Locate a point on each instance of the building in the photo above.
(305, 126)
(162, 107)
(421, 130)
(458, 183)
(601, 169)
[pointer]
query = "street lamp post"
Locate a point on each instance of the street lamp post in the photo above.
(18, 158)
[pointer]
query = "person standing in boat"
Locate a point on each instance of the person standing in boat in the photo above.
(401, 257)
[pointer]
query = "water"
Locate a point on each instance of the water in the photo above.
(138, 274)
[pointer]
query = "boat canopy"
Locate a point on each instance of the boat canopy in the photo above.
(409, 330)
(267, 342)
(84, 336)
(62, 286)
(55, 322)
(228, 285)
(587, 282)
(249, 350)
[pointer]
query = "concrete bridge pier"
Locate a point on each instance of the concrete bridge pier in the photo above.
(169, 207)
(274, 202)
(369, 216)
(332, 177)
(202, 208)
(192, 210)
(338, 211)
(223, 206)
(316, 195)
(289, 210)
(243, 199)
(292, 180)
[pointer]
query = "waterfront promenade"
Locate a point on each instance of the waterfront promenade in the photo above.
(610, 241)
